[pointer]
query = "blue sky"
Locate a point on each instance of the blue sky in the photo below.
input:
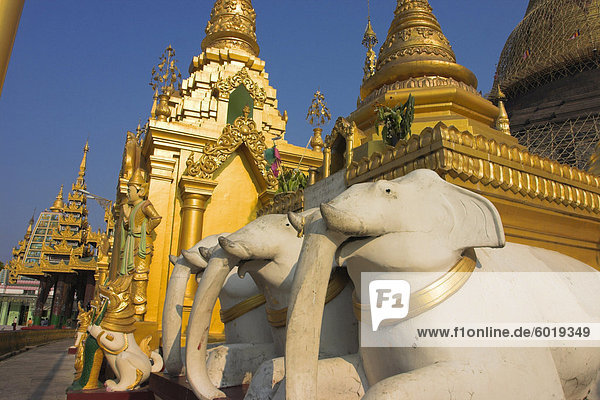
(80, 69)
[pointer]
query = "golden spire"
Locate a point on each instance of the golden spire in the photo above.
(369, 41)
(80, 181)
(232, 25)
(58, 203)
(415, 47)
(30, 227)
(502, 122)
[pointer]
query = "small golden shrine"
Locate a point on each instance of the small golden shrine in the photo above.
(203, 148)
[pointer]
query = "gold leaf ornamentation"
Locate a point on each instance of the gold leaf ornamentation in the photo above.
(242, 131)
(227, 85)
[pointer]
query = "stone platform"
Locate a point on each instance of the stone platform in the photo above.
(167, 388)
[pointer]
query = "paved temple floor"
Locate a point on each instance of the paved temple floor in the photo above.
(42, 373)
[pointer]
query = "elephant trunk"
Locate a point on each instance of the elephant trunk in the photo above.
(197, 334)
(305, 311)
(171, 319)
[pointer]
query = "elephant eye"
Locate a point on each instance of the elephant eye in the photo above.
(287, 224)
(388, 190)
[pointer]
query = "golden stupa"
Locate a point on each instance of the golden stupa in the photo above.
(203, 150)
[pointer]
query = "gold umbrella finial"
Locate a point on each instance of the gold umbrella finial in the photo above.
(232, 25)
(369, 41)
(58, 204)
(415, 47)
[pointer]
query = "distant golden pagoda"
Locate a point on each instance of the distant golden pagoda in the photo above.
(61, 250)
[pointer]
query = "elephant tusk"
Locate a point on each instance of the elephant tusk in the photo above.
(297, 222)
(205, 253)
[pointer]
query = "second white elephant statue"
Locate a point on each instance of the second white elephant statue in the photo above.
(242, 314)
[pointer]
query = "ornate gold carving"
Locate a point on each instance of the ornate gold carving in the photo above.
(145, 346)
(227, 85)
(421, 82)
(369, 41)
(243, 131)
(477, 159)
(109, 351)
(119, 312)
(416, 33)
(232, 24)
(69, 219)
(283, 203)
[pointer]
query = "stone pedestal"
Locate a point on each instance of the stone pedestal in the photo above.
(169, 388)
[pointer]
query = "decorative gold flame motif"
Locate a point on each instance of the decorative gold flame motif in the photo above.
(318, 113)
(166, 74)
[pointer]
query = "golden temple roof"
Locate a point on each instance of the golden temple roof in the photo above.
(415, 47)
(232, 25)
(556, 38)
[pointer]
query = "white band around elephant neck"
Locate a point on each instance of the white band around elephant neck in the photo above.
(431, 295)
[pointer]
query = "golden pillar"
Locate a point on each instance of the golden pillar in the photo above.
(10, 14)
(195, 193)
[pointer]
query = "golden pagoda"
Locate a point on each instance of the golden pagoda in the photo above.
(203, 149)
(462, 136)
(61, 251)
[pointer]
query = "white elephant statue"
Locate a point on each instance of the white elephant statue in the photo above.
(267, 250)
(242, 311)
(420, 223)
(132, 364)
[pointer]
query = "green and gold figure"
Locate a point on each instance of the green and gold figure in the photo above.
(139, 221)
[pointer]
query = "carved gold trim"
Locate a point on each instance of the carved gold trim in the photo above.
(242, 131)
(242, 308)
(109, 351)
(486, 162)
(283, 203)
(227, 85)
(69, 219)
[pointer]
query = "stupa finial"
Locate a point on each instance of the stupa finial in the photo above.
(232, 25)
(415, 47)
(58, 204)
(369, 41)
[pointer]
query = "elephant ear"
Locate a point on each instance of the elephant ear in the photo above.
(476, 220)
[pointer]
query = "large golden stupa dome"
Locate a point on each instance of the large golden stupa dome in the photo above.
(556, 38)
